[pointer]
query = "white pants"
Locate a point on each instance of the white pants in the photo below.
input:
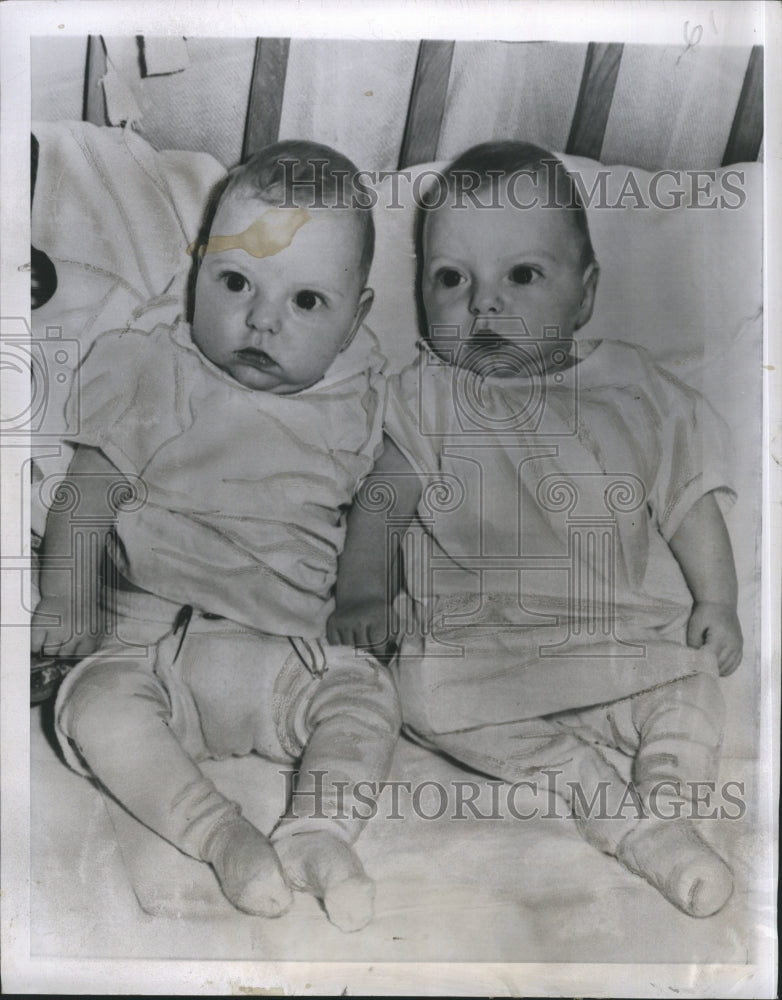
(141, 712)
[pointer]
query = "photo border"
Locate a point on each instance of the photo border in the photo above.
(565, 21)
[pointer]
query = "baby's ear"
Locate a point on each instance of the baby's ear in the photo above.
(365, 301)
(589, 288)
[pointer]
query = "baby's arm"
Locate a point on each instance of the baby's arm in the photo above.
(362, 613)
(702, 548)
(68, 596)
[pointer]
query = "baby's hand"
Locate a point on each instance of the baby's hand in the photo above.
(52, 630)
(362, 623)
(716, 627)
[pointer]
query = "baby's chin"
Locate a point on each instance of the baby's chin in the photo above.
(277, 385)
(495, 357)
(250, 377)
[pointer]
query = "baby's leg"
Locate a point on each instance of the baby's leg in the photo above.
(673, 731)
(116, 716)
(552, 755)
(351, 724)
(679, 733)
(679, 729)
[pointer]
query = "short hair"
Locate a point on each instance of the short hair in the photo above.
(489, 159)
(308, 175)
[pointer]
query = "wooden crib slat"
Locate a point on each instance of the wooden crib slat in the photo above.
(427, 103)
(267, 89)
(94, 106)
(746, 132)
(593, 106)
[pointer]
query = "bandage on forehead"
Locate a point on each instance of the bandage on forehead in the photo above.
(269, 234)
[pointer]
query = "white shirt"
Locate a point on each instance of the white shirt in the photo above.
(245, 490)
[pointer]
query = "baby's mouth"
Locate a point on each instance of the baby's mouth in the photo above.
(256, 358)
(488, 353)
(490, 341)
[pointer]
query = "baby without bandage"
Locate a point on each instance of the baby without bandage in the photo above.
(575, 553)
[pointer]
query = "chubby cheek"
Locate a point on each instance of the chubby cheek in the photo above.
(218, 328)
(544, 308)
(446, 311)
(204, 328)
(203, 315)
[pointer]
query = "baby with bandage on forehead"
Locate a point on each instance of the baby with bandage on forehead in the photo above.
(249, 429)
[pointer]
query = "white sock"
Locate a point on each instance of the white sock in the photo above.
(325, 866)
(673, 856)
(247, 868)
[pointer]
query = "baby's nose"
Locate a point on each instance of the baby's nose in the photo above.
(263, 314)
(486, 298)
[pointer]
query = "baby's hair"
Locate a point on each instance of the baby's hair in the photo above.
(490, 160)
(307, 175)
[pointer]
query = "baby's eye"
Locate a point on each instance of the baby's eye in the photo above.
(523, 274)
(448, 277)
(307, 299)
(234, 281)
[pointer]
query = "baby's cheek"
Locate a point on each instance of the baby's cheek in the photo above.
(449, 316)
(433, 303)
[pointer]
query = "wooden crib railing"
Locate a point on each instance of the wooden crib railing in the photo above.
(428, 98)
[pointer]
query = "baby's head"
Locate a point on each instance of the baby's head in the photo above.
(506, 261)
(280, 288)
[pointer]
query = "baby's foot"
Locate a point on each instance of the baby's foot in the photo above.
(247, 869)
(326, 867)
(672, 855)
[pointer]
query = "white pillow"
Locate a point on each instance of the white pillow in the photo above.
(116, 218)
